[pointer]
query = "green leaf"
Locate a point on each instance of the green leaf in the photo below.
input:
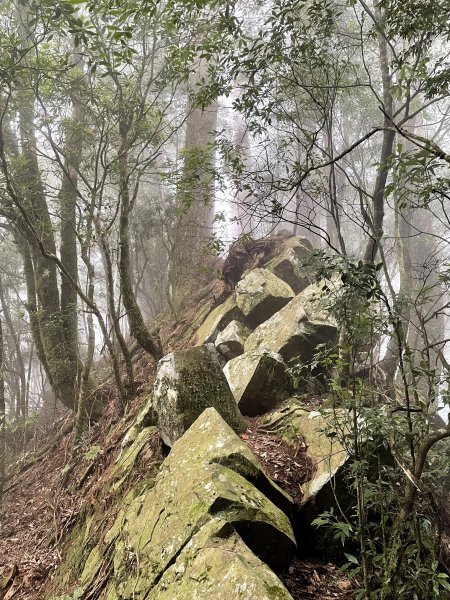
(351, 558)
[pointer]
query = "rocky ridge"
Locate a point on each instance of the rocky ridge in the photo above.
(207, 521)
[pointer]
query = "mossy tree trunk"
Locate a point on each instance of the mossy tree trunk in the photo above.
(59, 346)
(56, 344)
(68, 196)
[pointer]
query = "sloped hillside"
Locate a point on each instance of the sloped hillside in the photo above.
(208, 486)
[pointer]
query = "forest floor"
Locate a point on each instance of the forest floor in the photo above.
(43, 499)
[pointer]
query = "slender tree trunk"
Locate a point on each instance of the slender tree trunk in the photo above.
(31, 305)
(114, 317)
(2, 418)
(86, 399)
(387, 146)
(403, 519)
(147, 340)
(21, 400)
(333, 220)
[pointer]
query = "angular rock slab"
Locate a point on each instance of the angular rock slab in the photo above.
(260, 294)
(146, 418)
(147, 439)
(294, 423)
(230, 342)
(297, 329)
(217, 320)
(187, 382)
(216, 564)
(210, 474)
(258, 380)
(330, 485)
(288, 264)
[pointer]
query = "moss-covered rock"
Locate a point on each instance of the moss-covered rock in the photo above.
(187, 382)
(318, 430)
(260, 294)
(146, 418)
(217, 444)
(208, 475)
(296, 330)
(258, 380)
(328, 437)
(230, 342)
(207, 523)
(217, 320)
(123, 467)
(216, 564)
(328, 488)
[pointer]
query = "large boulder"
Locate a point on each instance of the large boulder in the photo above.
(246, 254)
(327, 435)
(217, 320)
(217, 564)
(187, 382)
(260, 294)
(230, 342)
(296, 330)
(210, 494)
(258, 380)
(318, 430)
(289, 263)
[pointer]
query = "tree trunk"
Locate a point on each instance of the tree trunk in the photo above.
(67, 197)
(2, 418)
(28, 196)
(147, 340)
(112, 311)
(377, 217)
(21, 400)
(196, 190)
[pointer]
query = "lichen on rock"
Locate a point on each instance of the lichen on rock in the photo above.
(217, 320)
(298, 328)
(260, 294)
(293, 422)
(289, 263)
(187, 382)
(258, 380)
(209, 477)
(230, 342)
(217, 564)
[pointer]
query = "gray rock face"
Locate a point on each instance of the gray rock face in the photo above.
(230, 342)
(187, 382)
(260, 294)
(217, 320)
(258, 380)
(288, 263)
(297, 329)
